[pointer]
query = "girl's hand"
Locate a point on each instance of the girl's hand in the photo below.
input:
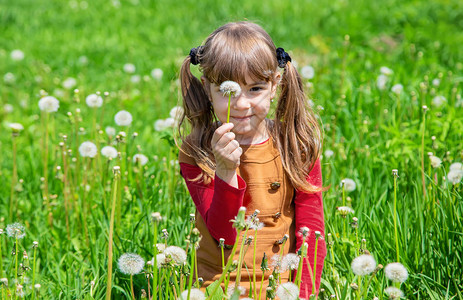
(227, 152)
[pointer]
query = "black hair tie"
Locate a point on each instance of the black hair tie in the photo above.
(194, 55)
(282, 57)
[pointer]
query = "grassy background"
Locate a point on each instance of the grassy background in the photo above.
(418, 40)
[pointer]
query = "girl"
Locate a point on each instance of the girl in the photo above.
(269, 165)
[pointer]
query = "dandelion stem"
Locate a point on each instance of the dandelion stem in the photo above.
(395, 220)
(131, 286)
(261, 284)
(13, 178)
(254, 292)
(111, 229)
(34, 270)
(240, 260)
(155, 263)
(228, 111)
(16, 263)
(422, 155)
(192, 268)
(315, 264)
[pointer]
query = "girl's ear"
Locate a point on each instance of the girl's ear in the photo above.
(275, 83)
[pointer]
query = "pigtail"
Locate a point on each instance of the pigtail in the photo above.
(298, 134)
(198, 112)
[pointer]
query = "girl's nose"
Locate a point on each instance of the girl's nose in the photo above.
(242, 102)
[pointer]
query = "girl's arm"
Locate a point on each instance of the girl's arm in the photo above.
(217, 202)
(309, 213)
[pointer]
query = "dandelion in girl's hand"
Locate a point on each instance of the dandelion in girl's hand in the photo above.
(131, 263)
(363, 265)
(177, 254)
(349, 184)
(123, 118)
(397, 89)
(231, 89)
(396, 272)
(435, 161)
(88, 149)
(16, 230)
(94, 100)
(195, 294)
(49, 104)
(109, 152)
(393, 292)
(288, 291)
(140, 158)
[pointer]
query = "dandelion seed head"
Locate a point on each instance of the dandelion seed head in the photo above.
(135, 78)
(345, 210)
(396, 272)
(129, 68)
(109, 152)
(290, 261)
(435, 161)
(231, 289)
(17, 55)
(49, 104)
(156, 216)
(169, 122)
(386, 71)
(8, 108)
(37, 286)
(397, 88)
(230, 88)
(393, 292)
(455, 176)
(363, 265)
(348, 184)
(176, 112)
(177, 254)
(16, 230)
(69, 83)
(307, 72)
(329, 153)
(130, 263)
(381, 82)
(140, 158)
(94, 100)
(16, 127)
(157, 73)
(456, 167)
(88, 149)
(439, 101)
(436, 82)
(195, 294)
(123, 118)
(287, 291)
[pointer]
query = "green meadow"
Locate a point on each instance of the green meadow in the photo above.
(385, 77)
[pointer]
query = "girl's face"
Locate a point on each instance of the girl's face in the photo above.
(247, 111)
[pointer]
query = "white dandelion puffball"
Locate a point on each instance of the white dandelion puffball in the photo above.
(396, 272)
(230, 88)
(386, 71)
(129, 68)
(140, 158)
(159, 125)
(157, 73)
(436, 82)
(110, 131)
(176, 253)
(349, 184)
(93, 100)
(397, 88)
(329, 153)
(456, 167)
(88, 149)
(231, 290)
(195, 294)
(160, 259)
(9, 78)
(123, 118)
(135, 78)
(363, 265)
(109, 152)
(16, 230)
(290, 261)
(287, 291)
(130, 263)
(435, 161)
(439, 101)
(17, 55)
(455, 176)
(381, 82)
(82, 60)
(176, 112)
(345, 210)
(69, 83)
(169, 122)
(16, 127)
(308, 72)
(393, 292)
(49, 104)
(8, 108)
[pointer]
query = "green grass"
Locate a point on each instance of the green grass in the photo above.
(418, 40)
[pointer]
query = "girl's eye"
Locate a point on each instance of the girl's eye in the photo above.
(256, 89)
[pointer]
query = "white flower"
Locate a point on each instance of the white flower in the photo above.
(396, 272)
(157, 73)
(123, 118)
(129, 68)
(230, 88)
(288, 291)
(308, 72)
(17, 55)
(345, 210)
(231, 290)
(195, 294)
(435, 161)
(169, 122)
(439, 101)
(386, 71)
(88, 149)
(456, 166)
(328, 153)
(9, 78)
(160, 259)
(109, 152)
(69, 83)
(159, 125)
(93, 100)
(8, 108)
(130, 263)
(381, 81)
(436, 82)
(110, 131)
(58, 93)
(290, 261)
(16, 230)
(393, 292)
(140, 158)
(176, 253)
(455, 176)
(16, 126)
(397, 88)
(349, 184)
(135, 78)
(363, 265)
(275, 261)
(49, 104)
(82, 60)
(176, 112)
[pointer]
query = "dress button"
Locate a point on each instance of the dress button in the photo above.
(275, 185)
(277, 215)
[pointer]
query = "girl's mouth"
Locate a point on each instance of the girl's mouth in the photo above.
(242, 118)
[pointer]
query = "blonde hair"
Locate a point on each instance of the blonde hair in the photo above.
(229, 53)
